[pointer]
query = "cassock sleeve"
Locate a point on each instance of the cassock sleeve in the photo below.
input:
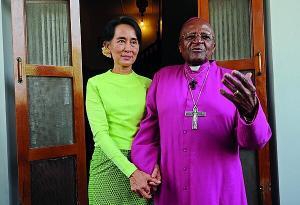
(256, 134)
(98, 123)
(145, 146)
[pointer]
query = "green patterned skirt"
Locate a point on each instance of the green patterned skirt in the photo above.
(108, 185)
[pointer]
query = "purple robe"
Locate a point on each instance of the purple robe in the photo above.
(197, 166)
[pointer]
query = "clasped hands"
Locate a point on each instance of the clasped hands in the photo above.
(243, 93)
(143, 184)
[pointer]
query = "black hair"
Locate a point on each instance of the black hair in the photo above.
(109, 29)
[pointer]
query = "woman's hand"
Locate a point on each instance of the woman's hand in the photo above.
(243, 94)
(139, 183)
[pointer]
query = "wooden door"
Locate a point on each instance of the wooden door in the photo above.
(49, 102)
(239, 28)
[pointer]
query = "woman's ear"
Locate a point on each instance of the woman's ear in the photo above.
(105, 44)
(105, 49)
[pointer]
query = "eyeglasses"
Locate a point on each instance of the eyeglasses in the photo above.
(190, 37)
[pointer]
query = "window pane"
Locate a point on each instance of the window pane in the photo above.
(50, 111)
(48, 32)
(53, 181)
(232, 24)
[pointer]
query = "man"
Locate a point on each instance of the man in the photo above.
(198, 116)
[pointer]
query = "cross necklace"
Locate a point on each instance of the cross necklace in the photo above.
(195, 114)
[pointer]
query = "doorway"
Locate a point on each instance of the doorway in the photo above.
(94, 15)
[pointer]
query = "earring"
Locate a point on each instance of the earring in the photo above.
(106, 52)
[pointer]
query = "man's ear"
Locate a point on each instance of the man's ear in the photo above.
(213, 51)
(179, 47)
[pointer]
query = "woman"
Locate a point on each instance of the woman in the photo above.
(115, 104)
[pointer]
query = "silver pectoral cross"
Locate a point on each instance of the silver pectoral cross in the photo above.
(195, 114)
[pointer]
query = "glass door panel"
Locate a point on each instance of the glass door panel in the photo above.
(50, 111)
(48, 32)
(53, 181)
(231, 22)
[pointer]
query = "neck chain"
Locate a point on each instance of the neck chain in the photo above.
(192, 85)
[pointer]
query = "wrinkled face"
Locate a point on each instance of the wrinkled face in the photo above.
(124, 46)
(197, 42)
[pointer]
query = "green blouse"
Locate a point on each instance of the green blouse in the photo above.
(115, 105)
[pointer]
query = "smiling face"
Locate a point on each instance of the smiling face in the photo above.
(197, 41)
(124, 46)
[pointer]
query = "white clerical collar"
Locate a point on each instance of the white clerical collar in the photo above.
(195, 68)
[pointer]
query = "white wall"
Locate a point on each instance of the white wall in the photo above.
(4, 179)
(8, 162)
(284, 55)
